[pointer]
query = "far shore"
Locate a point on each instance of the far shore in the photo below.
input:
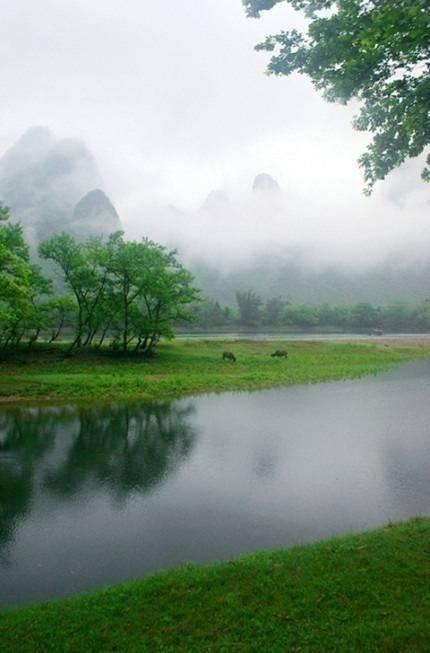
(193, 366)
(389, 338)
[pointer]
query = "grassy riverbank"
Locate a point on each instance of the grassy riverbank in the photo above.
(188, 367)
(367, 592)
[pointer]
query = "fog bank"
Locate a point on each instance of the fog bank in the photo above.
(234, 226)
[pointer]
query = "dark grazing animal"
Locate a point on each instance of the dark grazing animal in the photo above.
(280, 353)
(228, 356)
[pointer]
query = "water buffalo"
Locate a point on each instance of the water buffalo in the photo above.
(228, 356)
(280, 353)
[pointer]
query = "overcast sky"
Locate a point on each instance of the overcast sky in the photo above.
(173, 102)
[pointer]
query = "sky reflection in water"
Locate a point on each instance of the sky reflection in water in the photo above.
(91, 497)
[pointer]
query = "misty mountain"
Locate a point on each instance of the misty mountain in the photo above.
(265, 238)
(217, 200)
(293, 279)
(53, 185)
(97, 211)
(265, 182)
(303, 248)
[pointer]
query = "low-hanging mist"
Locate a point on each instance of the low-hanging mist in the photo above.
(281, 241)
(265, 235)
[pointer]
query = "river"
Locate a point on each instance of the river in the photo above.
(90, 497)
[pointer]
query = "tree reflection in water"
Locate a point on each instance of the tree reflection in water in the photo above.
(26, 435)
(124, 449)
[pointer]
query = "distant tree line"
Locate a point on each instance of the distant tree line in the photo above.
(251, 311)
(128, 292)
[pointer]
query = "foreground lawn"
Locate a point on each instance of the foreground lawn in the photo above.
(187, 367)
(368, 592)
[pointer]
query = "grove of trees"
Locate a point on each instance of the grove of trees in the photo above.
(128, 292)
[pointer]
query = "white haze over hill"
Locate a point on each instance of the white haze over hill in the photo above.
(171, 100)
(235, 226)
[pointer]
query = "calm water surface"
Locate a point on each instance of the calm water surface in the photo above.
(91, 497)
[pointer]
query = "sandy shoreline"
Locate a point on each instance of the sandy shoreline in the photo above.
(420, 340)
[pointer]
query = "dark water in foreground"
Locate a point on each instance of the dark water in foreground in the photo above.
(91, 497)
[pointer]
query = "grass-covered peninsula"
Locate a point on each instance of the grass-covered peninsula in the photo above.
(185, 367)
(367, 592)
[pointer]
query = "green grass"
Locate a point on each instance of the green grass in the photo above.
(361, 593)
(189, 367)
(369, 592)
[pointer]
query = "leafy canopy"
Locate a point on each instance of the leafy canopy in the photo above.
(130, 291)
(21, 285)
(377, 51)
